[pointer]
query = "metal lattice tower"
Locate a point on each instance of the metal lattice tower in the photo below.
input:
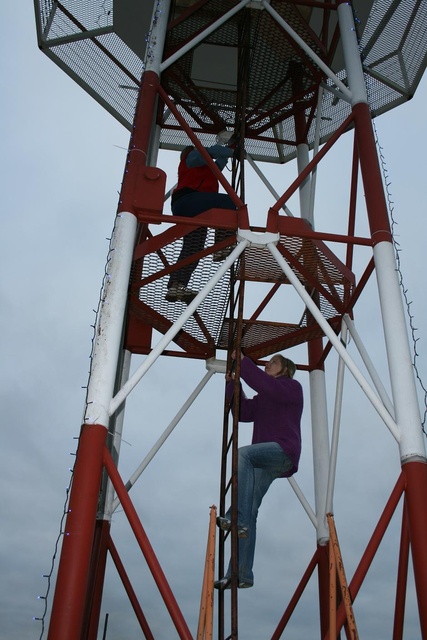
(291, 78)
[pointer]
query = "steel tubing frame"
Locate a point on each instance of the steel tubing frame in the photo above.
(407, 428)
(69, 613)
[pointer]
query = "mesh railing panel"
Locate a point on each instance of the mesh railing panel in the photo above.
(152, 294)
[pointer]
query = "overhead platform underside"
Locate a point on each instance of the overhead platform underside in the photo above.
(103, 46)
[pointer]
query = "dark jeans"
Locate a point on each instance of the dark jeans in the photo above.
(192, 205)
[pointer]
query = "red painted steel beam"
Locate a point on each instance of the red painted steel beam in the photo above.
(311, 165)
(371, 174)
(129, 590)
(352, 205)
(74, 567)
(132, 192)
(415, 474)
(147, 549)
(96, 580)
(402, 576)
(295, 598)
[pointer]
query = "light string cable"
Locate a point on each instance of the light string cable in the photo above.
(397, 248)
(105, 13)
(96, 311)
(48, 576)
(151, 42)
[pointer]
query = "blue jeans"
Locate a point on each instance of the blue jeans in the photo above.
(190, 206)
(258, 465)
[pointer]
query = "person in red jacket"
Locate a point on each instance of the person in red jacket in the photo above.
(196, 192)
(274, 453)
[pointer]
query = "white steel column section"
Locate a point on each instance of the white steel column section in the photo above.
(335, 341)
(109, 327)
(305, 187)
(412, 444)
(165, 435)
(320, 437)
(336, 425)
(318, 403)
(315, 150)
(156, 40)
(369, 365)
(351, 52)
(175, 328)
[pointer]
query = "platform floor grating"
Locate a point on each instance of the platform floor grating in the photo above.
(330, 283)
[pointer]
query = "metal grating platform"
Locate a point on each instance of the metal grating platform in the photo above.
(328, 280)
(261, 339)
(150, 276)
(99, 45)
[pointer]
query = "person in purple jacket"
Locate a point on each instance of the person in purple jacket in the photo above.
(274, 453)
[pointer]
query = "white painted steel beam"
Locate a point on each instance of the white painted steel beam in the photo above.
(267, 183)
(301, 497)
(412, 440)
(369, 365)
(320, 447)
(157, 36)
(203, 35)
(336, 426)
(176, 327)
(336, 343)
(165, 435)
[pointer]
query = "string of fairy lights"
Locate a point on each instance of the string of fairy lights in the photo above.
(397, 248)
(405, 291)
(149, 39)
(105, 14)
(49, 576)
(106, 11)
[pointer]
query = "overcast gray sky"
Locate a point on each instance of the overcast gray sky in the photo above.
(62, 166)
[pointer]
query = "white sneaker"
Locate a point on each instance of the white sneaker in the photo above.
(179, 292)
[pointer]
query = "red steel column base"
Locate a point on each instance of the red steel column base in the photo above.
(74, 567)
(416, 501)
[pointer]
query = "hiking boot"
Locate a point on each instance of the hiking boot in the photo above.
(225, 583)
(225, 524)
(222, 254)
(179, 292)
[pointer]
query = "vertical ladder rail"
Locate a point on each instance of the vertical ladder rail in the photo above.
(228, 485)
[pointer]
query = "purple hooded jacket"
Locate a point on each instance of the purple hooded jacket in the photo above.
(275, 410)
